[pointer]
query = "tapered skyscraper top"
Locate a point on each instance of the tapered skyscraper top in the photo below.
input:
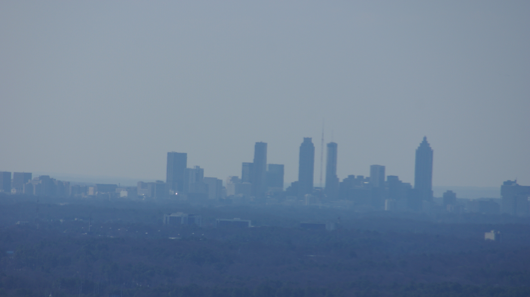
(423, 170)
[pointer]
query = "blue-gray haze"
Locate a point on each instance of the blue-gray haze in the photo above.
(109, 87)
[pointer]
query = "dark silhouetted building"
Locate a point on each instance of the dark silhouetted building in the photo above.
(449, 198)
(155, 190)
(515, 198)
(275, 177)
(377, 186)
(196, 187)
(423, 172)
(247, 172)
(176, 172)
(5, 181)
(377, 176)
(259, 170)
(215, 187)
(19, 179)
(332, 181)
(398, 192)
(180, 218)
(306, 166)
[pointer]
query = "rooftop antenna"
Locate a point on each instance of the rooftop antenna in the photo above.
(322, 153)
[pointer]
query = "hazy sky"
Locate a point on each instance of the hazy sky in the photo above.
(109, 87)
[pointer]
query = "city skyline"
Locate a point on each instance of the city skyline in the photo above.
(112, 97)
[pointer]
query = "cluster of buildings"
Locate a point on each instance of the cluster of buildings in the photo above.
(260, 181)
(264, 182)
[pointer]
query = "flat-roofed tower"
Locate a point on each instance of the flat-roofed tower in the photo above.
(306, 167)
(176, 171)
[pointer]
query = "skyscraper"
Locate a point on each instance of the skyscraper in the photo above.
(377, 176)
(5, 181)
(275, 177)
(247, 172)
(423, 171)
(19, 179)
(332, 181)
(176, 171)
(306, 166)
(259, 170)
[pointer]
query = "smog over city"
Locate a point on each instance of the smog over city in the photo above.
(232, 148)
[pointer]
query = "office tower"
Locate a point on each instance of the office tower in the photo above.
(246, 172)
(377, 176)
(215, 187)
(275, 177)
(156, 190)
(423, 171)
(332, 181)
(449, 198)
(5, 181)
(259, 170)
(306, 166)
(43, 186)
(176, 172)
(397, 190)
(195, 186)
(19, 179)
(515, 199)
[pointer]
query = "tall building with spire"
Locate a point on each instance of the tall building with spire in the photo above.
(423, 171)
(259, 170)
(332, 181)
(306, 167)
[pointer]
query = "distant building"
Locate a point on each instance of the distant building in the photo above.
(259, 170)
(105, 188)
(247, 172)
(156, 190)
(275, 177)
(391, 205)
(356, 189)
(423, 171)
(128, 192)
(43, 186)
(449, 200)
(19, 179)
(492, 235)
(5, 181)
(377, 176)
(176, 172)
(180, 218)
(398, 191)
(306, 166)
(515, 198)
(237, 189)
(484, 205)
(196, 187)
(234, 223)
(215, 187)
(332, 181)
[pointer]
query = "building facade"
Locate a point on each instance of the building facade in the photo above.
(306, 166)
(259, 170)
(423, 171)
(176, 172)
(332, 181)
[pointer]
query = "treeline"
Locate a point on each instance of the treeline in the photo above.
(229, 260)
(19, 287)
